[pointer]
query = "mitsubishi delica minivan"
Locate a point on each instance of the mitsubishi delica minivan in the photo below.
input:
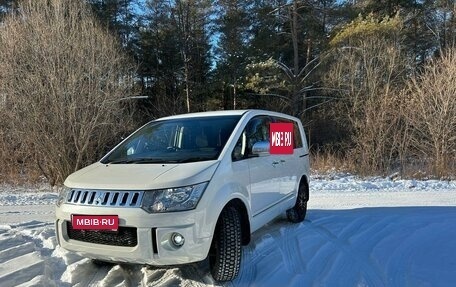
(184, 189)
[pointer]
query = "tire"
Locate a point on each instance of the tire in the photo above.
(226, 250)
(298, 212)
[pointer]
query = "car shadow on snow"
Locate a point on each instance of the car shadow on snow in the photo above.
(382, 246)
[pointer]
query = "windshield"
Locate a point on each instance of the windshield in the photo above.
(176, 141)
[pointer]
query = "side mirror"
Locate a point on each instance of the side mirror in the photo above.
(261, 148)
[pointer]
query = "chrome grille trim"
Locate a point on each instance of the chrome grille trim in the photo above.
(108, 198)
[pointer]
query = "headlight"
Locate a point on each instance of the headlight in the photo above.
(173, 199)
(63, 194)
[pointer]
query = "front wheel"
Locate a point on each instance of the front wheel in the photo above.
(226, 250)
(298, 212)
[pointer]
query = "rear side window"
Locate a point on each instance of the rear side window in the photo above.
(297, 136)
(296, 132)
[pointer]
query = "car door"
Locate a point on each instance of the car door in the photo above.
(263, 170)
(288, 163)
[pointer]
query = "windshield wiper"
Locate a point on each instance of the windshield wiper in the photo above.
(141, 160)
(193, 159)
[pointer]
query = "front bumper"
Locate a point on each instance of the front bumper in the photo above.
(153, 232)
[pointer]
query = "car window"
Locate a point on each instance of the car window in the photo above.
(297, 136)
(256, 130)
(296, 132)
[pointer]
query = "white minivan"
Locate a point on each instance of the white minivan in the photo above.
(185, 188)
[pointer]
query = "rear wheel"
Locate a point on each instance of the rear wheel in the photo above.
(226, 250)
(298, 212)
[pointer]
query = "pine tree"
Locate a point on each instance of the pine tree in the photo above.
(174, 55)
(118, 16)
(233, 24)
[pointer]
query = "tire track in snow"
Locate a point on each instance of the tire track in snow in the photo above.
(373, 276)
(119, 275)
(23, 260)
(260, 247)
(85, 273)
(399, 263)
(290, 248)
(196, 275)
(170, 278)
(419, 246)
(154, 277)
(247, 272)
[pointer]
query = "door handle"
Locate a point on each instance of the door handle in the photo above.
(274, 163)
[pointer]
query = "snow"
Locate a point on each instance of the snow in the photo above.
(358, 232)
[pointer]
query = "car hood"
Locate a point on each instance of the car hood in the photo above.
(141, 176)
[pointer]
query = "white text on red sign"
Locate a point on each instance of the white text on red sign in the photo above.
(281, 138)
(95, 221)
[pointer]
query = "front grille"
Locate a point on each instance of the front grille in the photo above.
(105, 198)
(124, 236)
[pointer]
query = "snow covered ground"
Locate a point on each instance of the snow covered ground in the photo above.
(358, 232)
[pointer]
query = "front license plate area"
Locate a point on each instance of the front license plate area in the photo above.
(95, 222)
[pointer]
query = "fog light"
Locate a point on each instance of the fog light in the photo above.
(177, 239)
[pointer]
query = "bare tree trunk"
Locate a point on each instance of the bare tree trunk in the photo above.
(187, 85)
(453, 26)
(234, 95)
(294, 39)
